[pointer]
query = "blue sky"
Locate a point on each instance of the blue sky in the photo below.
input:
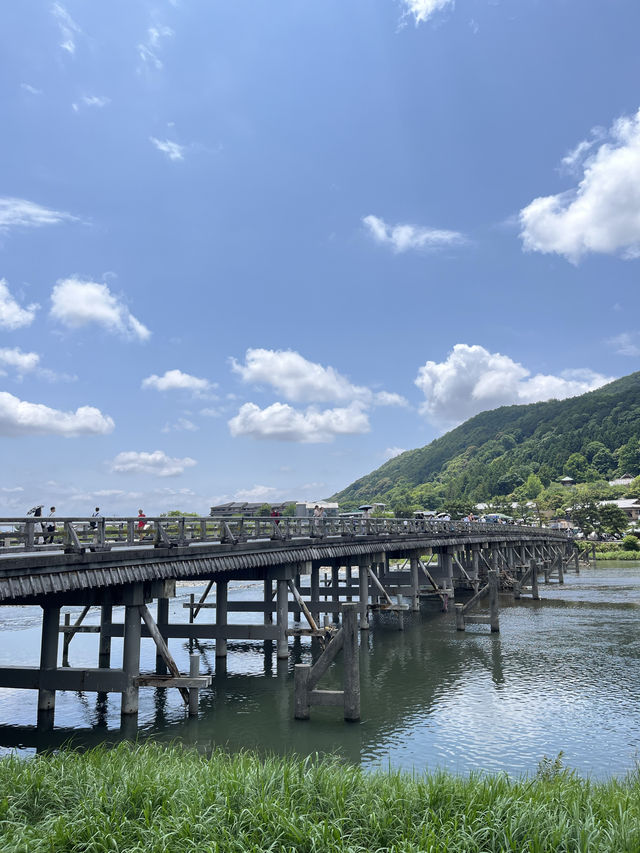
(252, 250)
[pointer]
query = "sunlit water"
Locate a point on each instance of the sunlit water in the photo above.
(562, 675)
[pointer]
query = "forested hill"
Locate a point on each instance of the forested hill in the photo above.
(590, 438)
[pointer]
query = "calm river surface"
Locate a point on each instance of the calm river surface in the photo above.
(562, 675)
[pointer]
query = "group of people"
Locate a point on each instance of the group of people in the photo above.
(45, 531)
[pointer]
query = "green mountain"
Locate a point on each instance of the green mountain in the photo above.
(510, 451)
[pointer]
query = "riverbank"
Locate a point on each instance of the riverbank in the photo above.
(173, 799)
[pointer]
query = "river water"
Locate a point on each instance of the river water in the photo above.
(563, 675)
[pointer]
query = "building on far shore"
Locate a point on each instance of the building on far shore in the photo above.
(245, 509)
(567, 481)
(630, 505)
(625, 480)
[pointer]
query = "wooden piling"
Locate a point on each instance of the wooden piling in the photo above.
(493, 602)
(460, 626)
(363, 571)
(194, 693)
(131, 658)
(49, 654)
(282, 605)
(351, 654)
(534, 580)
(415, 583)
(222, 588)
(162, 620)
(104, 643)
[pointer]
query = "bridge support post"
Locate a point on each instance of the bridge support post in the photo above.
(222, 590)
(475, 564)
(162, 619)
(534, 580)
(349, 580)
(104, 643)
(560, 567)
(268, 601)
(351, 663)
(446, 558)
(48, 658)
(335, 593)
(282, 603)
(415, 583)
(363, 573)
(315, 593)
(493, 602)
(134, 598)
(298, 613)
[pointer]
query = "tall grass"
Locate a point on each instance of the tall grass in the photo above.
(153, 798)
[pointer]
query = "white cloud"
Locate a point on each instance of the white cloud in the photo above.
(626, 343)
(472, 380)
(176, 380)
(392, 452)
(181, 425)
(68, 28)
(91, 101)
(77, 303)
(12, 316)
(20, 213)
(257, 493)
(387, 398)
(17, 418)
(281, 422)
(423, 9)
(211, 412)
(296, 378)
(12, 490)
(157, 463)
(148, 49)
(602, 214)
(30, 89)
(401, 238)
(171, 149)
(22, 362)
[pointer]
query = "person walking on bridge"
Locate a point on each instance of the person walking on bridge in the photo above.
(141, 524)
(51, 527)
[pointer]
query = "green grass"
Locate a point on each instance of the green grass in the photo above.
(152, 798)
(626, 556)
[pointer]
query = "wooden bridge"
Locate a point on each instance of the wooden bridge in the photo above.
(369, 565)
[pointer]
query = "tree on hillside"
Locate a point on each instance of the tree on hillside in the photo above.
(532, 487)
(613, 519)
(604, 461)
(629, 457)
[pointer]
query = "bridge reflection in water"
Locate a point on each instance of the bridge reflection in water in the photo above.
(373, 565)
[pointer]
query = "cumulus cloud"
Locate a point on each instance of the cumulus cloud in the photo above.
(171, 149)
(387, 398)
(472, 379)
(281, 422)
(21, 362)
(77, 303)
(303, 381)
(18, 417)
(402, 238)
(626, 343)
(12, 315)
(20, 213)
(422, 10)
(296, 378)
(257, 493)
(156, 462)
(602, 214)
(176, 380)
(30, 89)
(68, 28)
(392, 452)
(149, 49)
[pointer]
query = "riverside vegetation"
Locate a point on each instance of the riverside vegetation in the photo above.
(153, 798)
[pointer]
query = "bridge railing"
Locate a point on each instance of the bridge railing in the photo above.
(26, 533)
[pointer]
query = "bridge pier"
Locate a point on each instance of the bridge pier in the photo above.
(222, 589)
(131, 648)
(363, 573)
(48, 658)
(162, 620)
(282, 601)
